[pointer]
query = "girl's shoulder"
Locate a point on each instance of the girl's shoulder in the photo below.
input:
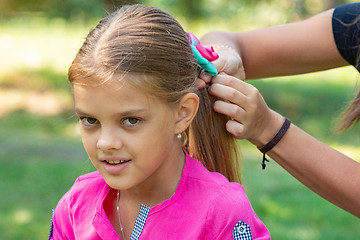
(85, 183)
(215, 189)
(229, 211)
(85, 190)
(232, 212)
(79, 205)
(88, 185)
(92, 177)
(198, 172)
(212, 181)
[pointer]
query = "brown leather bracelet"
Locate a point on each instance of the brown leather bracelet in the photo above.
(276, 139)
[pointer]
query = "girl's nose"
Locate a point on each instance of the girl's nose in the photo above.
(109, 140)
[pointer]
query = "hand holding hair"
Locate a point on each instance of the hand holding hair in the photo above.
(229, 62)
(251, 118)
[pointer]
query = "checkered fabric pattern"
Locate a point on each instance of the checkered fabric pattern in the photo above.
(242, 231)
(140, 222)
(51, 225)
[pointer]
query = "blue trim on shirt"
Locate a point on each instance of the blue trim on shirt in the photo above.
(51, 225)
(242, 231)
(140, 222)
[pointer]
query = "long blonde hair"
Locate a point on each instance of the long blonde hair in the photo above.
(148, 41)
(351, 116)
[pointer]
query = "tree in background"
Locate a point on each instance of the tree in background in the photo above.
(190, 10)
(66, 9)
(112, 5)
(310, 7)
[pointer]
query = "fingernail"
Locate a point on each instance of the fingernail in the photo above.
(200, 84)
(205, 76)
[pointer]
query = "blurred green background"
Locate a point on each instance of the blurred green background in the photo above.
(40, 149)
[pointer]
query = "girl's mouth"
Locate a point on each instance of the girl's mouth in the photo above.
(116, 162)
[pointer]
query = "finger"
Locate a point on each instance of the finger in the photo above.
(205, 76)
(230, 63)
(199, 83)
(231, 110)
(228, 93)
(228, 80)
(236, 129)
(219, 64)
(233, 82)
(225, 63)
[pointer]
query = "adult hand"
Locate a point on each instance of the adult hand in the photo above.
(228, 62)
(251, 118)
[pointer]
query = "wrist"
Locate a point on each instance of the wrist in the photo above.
(274, 123)
(274, 141)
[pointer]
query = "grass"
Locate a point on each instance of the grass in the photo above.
(289, 209)
(35, 172)
(41, 154)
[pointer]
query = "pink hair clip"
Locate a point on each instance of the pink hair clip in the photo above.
(203, 55)
(207, 52)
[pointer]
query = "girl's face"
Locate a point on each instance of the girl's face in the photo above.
(129, 137)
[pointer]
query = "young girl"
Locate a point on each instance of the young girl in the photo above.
(142, 120)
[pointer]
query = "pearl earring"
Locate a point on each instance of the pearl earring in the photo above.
(179, 136)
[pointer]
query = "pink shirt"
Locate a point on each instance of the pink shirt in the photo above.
(205, 205)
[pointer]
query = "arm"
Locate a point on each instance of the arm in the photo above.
(327, 172)
(231, 216)
(294, 48)
(324, 170)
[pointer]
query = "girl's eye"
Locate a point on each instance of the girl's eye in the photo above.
(89, 121)
(131, 121)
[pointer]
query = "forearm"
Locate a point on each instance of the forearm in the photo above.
(324, 170)
(294, 48)
(220, 38)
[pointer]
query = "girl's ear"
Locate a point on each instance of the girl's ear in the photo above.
(186, 111)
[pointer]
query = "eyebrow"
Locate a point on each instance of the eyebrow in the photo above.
(132, 112)
(125, 113)
(81, 113)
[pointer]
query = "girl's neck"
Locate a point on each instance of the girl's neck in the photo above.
(150, 193)
(154, 191)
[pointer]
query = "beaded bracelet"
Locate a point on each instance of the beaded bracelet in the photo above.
(217, 47)
(276, 139)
